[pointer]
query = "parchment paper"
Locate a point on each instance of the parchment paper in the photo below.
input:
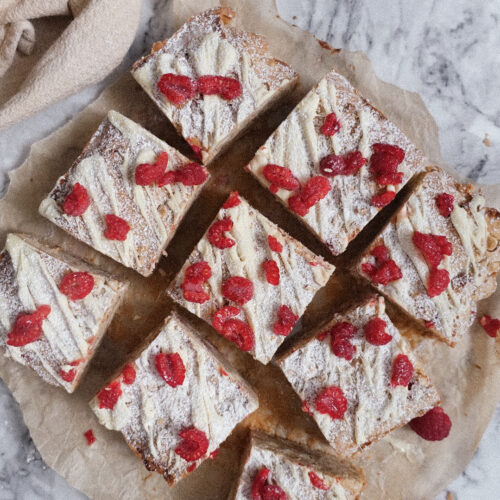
(400, 466)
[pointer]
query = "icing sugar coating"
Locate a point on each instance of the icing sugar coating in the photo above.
(29, 277)
(299, 145)
(106, 169)
(206, 45)
(289, 467)
(471, 278)
(150, 414)
(374, 406)
(299, 280)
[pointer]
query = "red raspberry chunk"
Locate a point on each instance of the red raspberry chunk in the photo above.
(382, 199)
(438, 282)
(28, 327)
(341, 333)
(77, 285)
(402, 371)
(435, 425)
(116, 228)
(238, 289)
(332, 165)
(109, 395)
(444, 203)
(223, 314)
(128, 374)
(177, 88)
(233, 329)
(167, 178)
(262, 490)
(194, 292)
(384, 163)
(343, 349)
(315, 190)
(280, 177)
(171, 368)
(77, 202)
(490, 325)
(194, 444)
(68, 376)
(89, 436)
(385, 269)
(214, 454)
(274, 244)
(375, 332)
(331, 401)
(216, 233)
(191, 174)
(286, 321)
(147, 174)
(331, 125)
(433, 247)
(389, 149)
(193, 142)
(317, 482)
(199, 272)
(232, 201)
(223, 86)
(272, 272)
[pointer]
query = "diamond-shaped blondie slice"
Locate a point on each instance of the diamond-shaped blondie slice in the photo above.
(176, 402)
(358, 378)
(438, 255)
(126, 193)
(249, 279)
(54, 309)
(336, 161)
(282, 467)
(211, 79)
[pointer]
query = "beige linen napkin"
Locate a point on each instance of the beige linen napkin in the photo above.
(89, 47)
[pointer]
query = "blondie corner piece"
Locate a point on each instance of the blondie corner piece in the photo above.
(176, 402)
(54, 309)
(358, 378)
(210, 80)
(336, 161)
(126, 194)
(285, 468)
(438, 256)
(249, 279)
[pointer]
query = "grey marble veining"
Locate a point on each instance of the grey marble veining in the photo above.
(446, 50)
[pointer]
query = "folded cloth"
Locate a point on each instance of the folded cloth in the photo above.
(83, 54)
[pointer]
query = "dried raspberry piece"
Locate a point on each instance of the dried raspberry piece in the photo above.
(109, 395)
(331, 401)
(316, 189)
(223, 314)
(239, 333)
(286, 321)
(280, 177)
(193, 143)
(214, 454)
(191, 174)
(68, 376)
(343, 349)
(354, 160)
(199, 272)
(389, 149)
(438, 282)
(167, 178)
(444, 203)
(194, 444)
(194, 292)
(331, 125)
(381, 253)
(147, 174)
(89, 436)
(238, 289)
(116, 228)
(402, 371)
(385, 270)
(177, 88)
(343, 330)
(259, 481)
(77, 285)
(297, 205)
(128, 374)
(384, 163)
(77, 201)
(216, 233)
(223, 86)
(390, 179)
(232, 201)
(434, 247)
(332, 165)
(171, 368)
(375, 332)
(28, 327)
(274, 244)
(317, 482)
(490, 325)
(272, 272)
(435, 425)
(191, 468)
(429, 324)
(383, 199)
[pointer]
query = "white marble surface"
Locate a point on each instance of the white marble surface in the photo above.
(446, 50)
